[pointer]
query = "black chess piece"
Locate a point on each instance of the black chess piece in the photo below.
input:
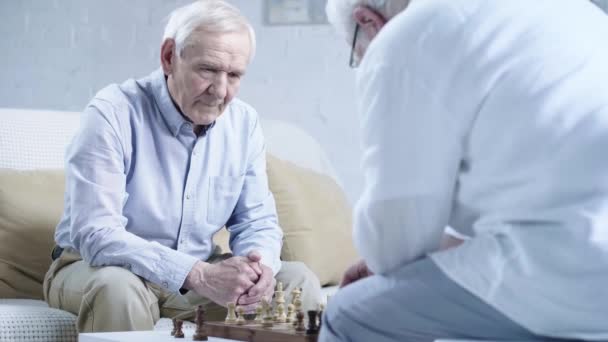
(201, 333)
(174, 321)
(313, 328)
(179, 333)
(299, 322)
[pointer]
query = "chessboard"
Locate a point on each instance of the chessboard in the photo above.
(254, 332)
(270, 324)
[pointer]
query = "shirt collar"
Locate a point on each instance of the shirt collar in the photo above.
(173, 118)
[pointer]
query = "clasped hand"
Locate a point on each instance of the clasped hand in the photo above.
(241, 280)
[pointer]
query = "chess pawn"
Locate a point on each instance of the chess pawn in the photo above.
(299, 322)
(267, 320)
(201, 333)
(313, 328)
(240, 320)
(295, 294)
(281, 317)
(297, 306)
(231, 317)
(179, 333)
(259, 314)
(290, 313)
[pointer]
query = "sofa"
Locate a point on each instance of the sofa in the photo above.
(312, 208)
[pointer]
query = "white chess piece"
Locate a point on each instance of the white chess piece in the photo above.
(231, 317)
(291, 313)
(240, 320)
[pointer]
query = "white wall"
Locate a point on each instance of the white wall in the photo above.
(57, 54)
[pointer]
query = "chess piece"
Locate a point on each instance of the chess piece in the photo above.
(240, 320)
(174, 321)
(279, 296)
(313, 328)
(179, 333)
(201, 333)
(297, 306)
(267, 320)
(290, 313)
(299, 322)
(281, 317)
(295, 294)
(259, 314)
(231, 317)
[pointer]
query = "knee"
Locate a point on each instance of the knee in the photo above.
(115, 284)
(335, 323)
(300, 273)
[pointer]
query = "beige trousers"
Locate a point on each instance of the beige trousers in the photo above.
(111, 298)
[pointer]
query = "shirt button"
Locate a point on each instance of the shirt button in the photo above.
(188, 196)
(165, 284)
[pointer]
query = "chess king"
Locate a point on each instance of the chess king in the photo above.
(159, 166)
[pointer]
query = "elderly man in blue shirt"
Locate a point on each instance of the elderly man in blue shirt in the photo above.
(159, 165)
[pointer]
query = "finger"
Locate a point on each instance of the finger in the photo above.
(248, 300)
(251, 273)
(243, 266)
(255, 266)
(254, 256)
(263, 283)
(348, 277)
(345, 281)
(250, 308)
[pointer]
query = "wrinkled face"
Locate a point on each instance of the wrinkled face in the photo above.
(207, 74)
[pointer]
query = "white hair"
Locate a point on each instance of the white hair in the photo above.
(340, 12)
(215, 16)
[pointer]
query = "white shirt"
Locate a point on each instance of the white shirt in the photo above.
(492, 117)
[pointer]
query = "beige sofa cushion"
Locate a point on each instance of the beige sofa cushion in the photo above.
(315, 217)
(31, 204)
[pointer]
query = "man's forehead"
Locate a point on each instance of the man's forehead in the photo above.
(209, 47)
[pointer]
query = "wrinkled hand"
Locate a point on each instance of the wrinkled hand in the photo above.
(356, 272)
(263, 289)
(224, 281)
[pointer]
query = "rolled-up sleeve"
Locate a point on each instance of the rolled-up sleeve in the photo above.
(96, 193)
(253, 224)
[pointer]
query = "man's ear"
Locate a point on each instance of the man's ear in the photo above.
(369, 20)
(167, 56)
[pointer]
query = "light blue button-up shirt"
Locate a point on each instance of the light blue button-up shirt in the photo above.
(144, 192)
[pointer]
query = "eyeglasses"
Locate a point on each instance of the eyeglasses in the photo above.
(353, 63)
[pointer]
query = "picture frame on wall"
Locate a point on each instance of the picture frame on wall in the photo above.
(295, 12)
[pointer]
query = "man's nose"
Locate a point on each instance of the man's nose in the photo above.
(219, 86)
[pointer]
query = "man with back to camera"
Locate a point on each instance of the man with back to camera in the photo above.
(490, 117)
(159, 165)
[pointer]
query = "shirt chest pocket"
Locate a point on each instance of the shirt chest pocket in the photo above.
(224, 192)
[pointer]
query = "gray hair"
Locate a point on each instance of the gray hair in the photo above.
(340, 12)
(216, 16)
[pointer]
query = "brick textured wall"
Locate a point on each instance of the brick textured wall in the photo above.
(57, 53)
